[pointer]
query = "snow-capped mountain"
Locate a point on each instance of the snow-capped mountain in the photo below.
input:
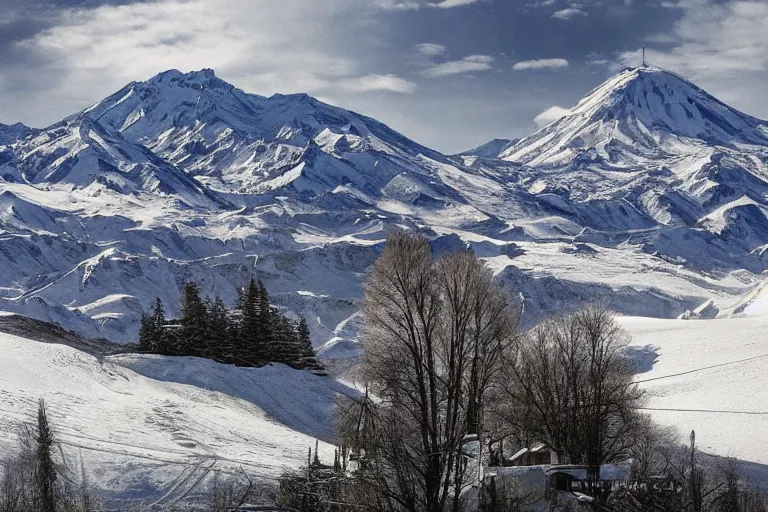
(649, 151)
(651, 194)
(243, 144)
(15, 132)
(640, 114)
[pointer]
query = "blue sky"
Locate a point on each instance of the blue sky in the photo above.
(449, 73)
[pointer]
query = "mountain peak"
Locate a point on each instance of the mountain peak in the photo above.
(639, 114)
(204, 77)
(14, 132)
(491, 149)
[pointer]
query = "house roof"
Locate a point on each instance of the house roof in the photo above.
(519, 454)
(535, 448)
(607, 471)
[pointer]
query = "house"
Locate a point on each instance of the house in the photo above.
(552, 487)
(538, 454)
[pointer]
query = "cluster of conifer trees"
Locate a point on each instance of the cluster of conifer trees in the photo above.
(253, 334)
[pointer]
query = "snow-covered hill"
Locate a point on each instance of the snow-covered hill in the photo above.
(155, 431)
(708, 376)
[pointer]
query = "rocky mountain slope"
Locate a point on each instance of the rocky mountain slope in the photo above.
(650, 194)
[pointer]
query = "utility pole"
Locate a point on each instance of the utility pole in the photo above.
(696, 478)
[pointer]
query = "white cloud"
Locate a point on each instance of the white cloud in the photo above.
(550, 115)
(595, 59)
(465, 65)
(447, 4)
(723, 47)
(372, 83)
(661, 38)
(431, 49)
(568, 13)
(540, 64)
(92, 52)
(399, 5)
(413, 5)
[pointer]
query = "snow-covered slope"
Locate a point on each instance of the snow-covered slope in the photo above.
(708, 376)
(83, 154)
(154, 430)
(491, 149)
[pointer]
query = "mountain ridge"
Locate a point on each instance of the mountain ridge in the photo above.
(184, 176)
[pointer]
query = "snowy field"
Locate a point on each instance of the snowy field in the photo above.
(708, 365)
(156, 430)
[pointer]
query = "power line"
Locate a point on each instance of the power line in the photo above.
(701, 369)
(714, 411)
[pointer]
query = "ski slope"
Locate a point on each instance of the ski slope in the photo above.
(708, 365)
(154, 430)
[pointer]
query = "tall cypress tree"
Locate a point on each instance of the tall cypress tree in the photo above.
(46, 468)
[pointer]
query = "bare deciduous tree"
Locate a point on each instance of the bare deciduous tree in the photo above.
(570, 387)
(230, 492)
(651, 445)
(435, 333)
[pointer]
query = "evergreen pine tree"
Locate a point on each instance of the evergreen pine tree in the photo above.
(152, 329)
(170, 343)
(161, 340)
(266, 318)
(218, 335)
(278, 344)
(46, 469)
(147, 334)
(192, 335)
(239, 339)
(284, 347)
(250, 350)
(158, 314)
(308, 356)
